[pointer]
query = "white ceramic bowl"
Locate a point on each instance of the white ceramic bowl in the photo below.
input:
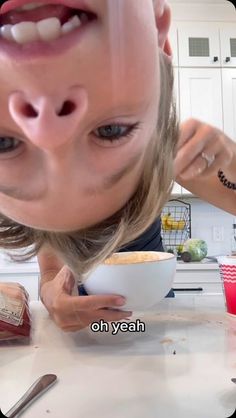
(142, 283)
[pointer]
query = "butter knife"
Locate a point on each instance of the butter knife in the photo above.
(38, 388)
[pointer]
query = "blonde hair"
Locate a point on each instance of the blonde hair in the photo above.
(82, 250)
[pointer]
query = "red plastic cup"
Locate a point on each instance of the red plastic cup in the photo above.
(227, 267)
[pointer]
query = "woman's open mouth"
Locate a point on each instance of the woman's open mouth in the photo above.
(26, 24)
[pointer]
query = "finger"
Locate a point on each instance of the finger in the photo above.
(73, 329)
(191, 150)
(216, 151)
(80, 320)
(220, 153)
(197, 167)
(65, 279)
(188, 129)
(63, 282)
(71, 322)
(14, 290)
(93, 302)
(68, 284)
(80, 327)
(109, 315)
(70, 304)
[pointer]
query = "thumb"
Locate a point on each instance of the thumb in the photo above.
(67, 280)
(167, 49)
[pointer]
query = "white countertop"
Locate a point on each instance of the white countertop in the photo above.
(130, 375)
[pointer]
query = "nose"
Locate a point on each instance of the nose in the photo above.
(49, 121)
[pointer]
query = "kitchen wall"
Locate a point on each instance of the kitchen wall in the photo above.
(205, 218)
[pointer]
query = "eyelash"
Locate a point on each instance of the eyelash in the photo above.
(130, 130)
(11, 139)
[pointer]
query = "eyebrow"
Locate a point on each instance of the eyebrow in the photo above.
(123, 110)
(19, 194)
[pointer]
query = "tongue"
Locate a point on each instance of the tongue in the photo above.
(63, 13)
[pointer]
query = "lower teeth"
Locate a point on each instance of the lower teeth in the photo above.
(44, 30)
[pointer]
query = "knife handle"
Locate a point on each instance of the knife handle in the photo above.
(37, 389)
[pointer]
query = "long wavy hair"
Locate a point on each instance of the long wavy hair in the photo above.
(84, 249)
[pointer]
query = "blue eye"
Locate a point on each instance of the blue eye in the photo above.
(8, 144)
(115, 132)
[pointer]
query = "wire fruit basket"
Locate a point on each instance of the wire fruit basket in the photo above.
(176, 225)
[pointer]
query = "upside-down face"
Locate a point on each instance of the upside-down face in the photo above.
(79, 93)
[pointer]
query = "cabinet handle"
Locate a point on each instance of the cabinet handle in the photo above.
(215, 59)
(188, 289)
(227, 59)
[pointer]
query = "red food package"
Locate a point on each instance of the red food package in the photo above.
(15, 321)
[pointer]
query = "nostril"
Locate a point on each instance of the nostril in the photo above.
(68, 107)
(29, 111)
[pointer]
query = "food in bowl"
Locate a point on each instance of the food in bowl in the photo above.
(144, 278)
(134, 257)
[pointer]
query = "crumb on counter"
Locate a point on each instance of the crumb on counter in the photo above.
(167, 341)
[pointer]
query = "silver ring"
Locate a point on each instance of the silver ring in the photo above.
(208, 158)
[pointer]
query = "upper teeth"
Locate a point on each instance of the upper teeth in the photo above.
(45, 30)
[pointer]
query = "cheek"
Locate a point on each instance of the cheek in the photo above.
(13, 211)
(31, 214)
(105, 161)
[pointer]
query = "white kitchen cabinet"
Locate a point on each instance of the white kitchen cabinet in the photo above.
(200, 95)
(202, 278)
(207, 44)
(199, 44)
(228, 44)
(229, 101)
